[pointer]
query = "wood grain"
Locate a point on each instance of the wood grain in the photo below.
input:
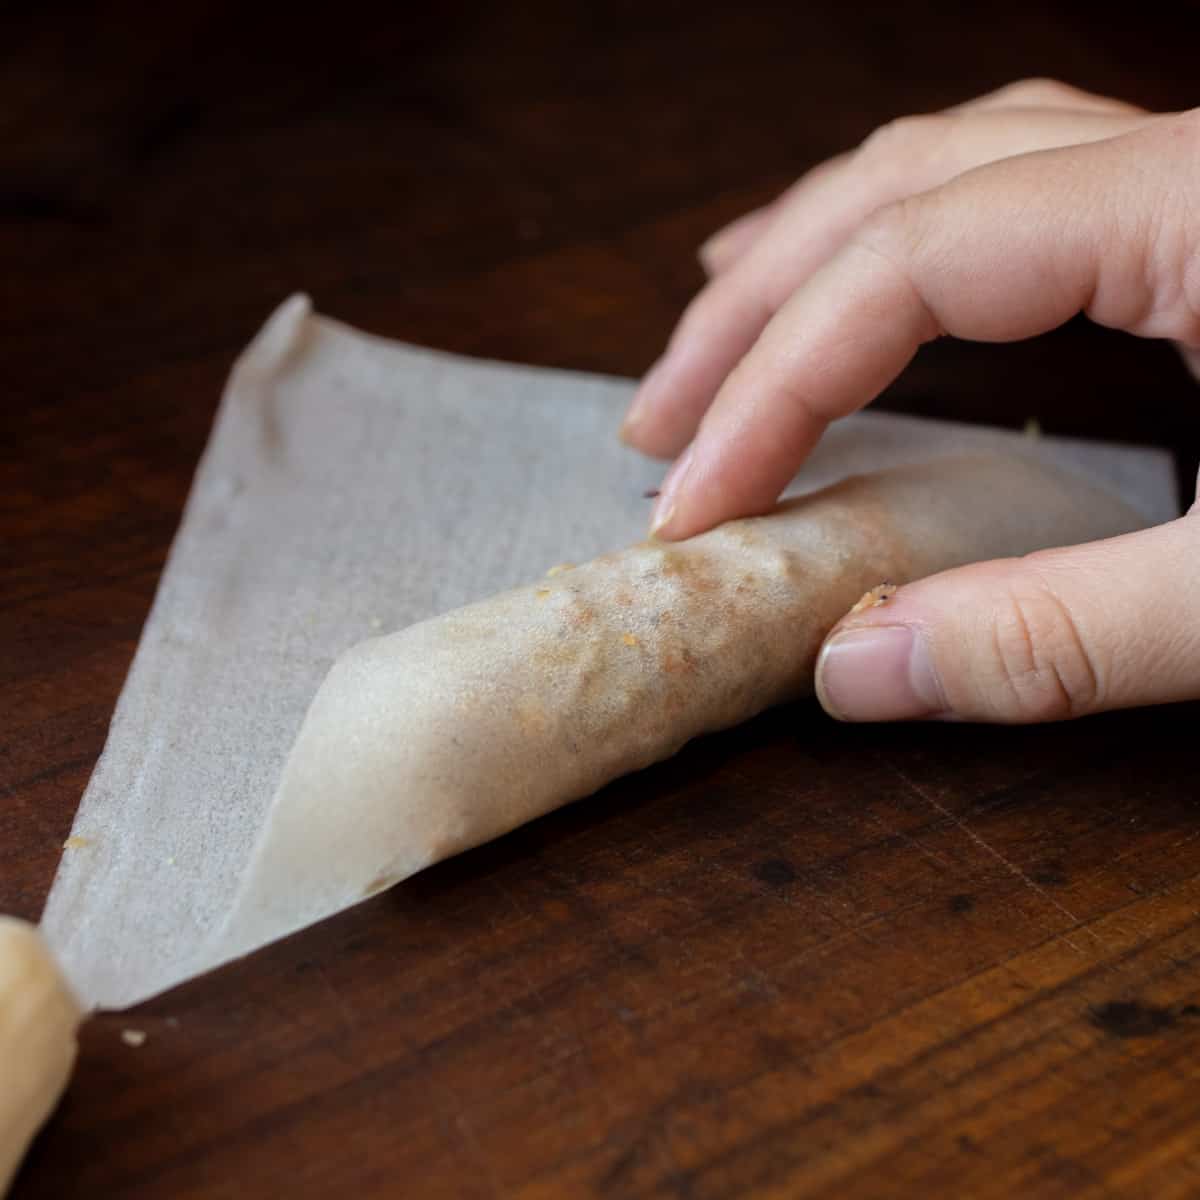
(801, 960)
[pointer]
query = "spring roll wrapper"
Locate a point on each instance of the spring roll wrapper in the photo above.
(429, 741)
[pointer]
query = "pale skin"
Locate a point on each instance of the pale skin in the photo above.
(994, 221)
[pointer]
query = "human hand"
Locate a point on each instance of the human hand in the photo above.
(993, 221)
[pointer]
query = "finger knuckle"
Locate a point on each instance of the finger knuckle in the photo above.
(1041, 90)
(1151, 281)
(1041, 667)
(890, 232)
(902, 138)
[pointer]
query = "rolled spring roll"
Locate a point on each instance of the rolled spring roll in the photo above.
(429, 741)
(38, 1021)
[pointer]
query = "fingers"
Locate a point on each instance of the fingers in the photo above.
(1003, 252)
(1026, 95)
(1058, 634)
(805, 228)
(730, 242)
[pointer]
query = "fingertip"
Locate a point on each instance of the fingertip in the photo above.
(714, 334)
(663, 415)
(709, 255)
(878, 673)
(660, 523)
(662, 520)
(645, 436)
(716, 253)
(632, 427)
(627, 430)
(730, 242)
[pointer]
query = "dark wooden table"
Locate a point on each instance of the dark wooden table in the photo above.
(801, 959)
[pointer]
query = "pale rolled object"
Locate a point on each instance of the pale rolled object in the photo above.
(426, 742)
(38, 1022)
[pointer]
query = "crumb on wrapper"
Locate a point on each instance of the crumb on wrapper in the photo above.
(881, 593)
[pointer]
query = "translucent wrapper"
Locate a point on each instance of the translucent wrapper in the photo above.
(352, 487)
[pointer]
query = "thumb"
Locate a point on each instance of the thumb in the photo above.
(1056, 634)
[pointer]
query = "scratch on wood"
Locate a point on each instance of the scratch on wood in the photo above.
(452, 1118)
(469, 1142)
(650, 1140)
(1009, 865)
(346, 1014)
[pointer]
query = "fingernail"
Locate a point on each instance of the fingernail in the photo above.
(664, 509)
(661, 520)
(878, 673)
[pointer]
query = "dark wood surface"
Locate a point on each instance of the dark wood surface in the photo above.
(801, 959)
